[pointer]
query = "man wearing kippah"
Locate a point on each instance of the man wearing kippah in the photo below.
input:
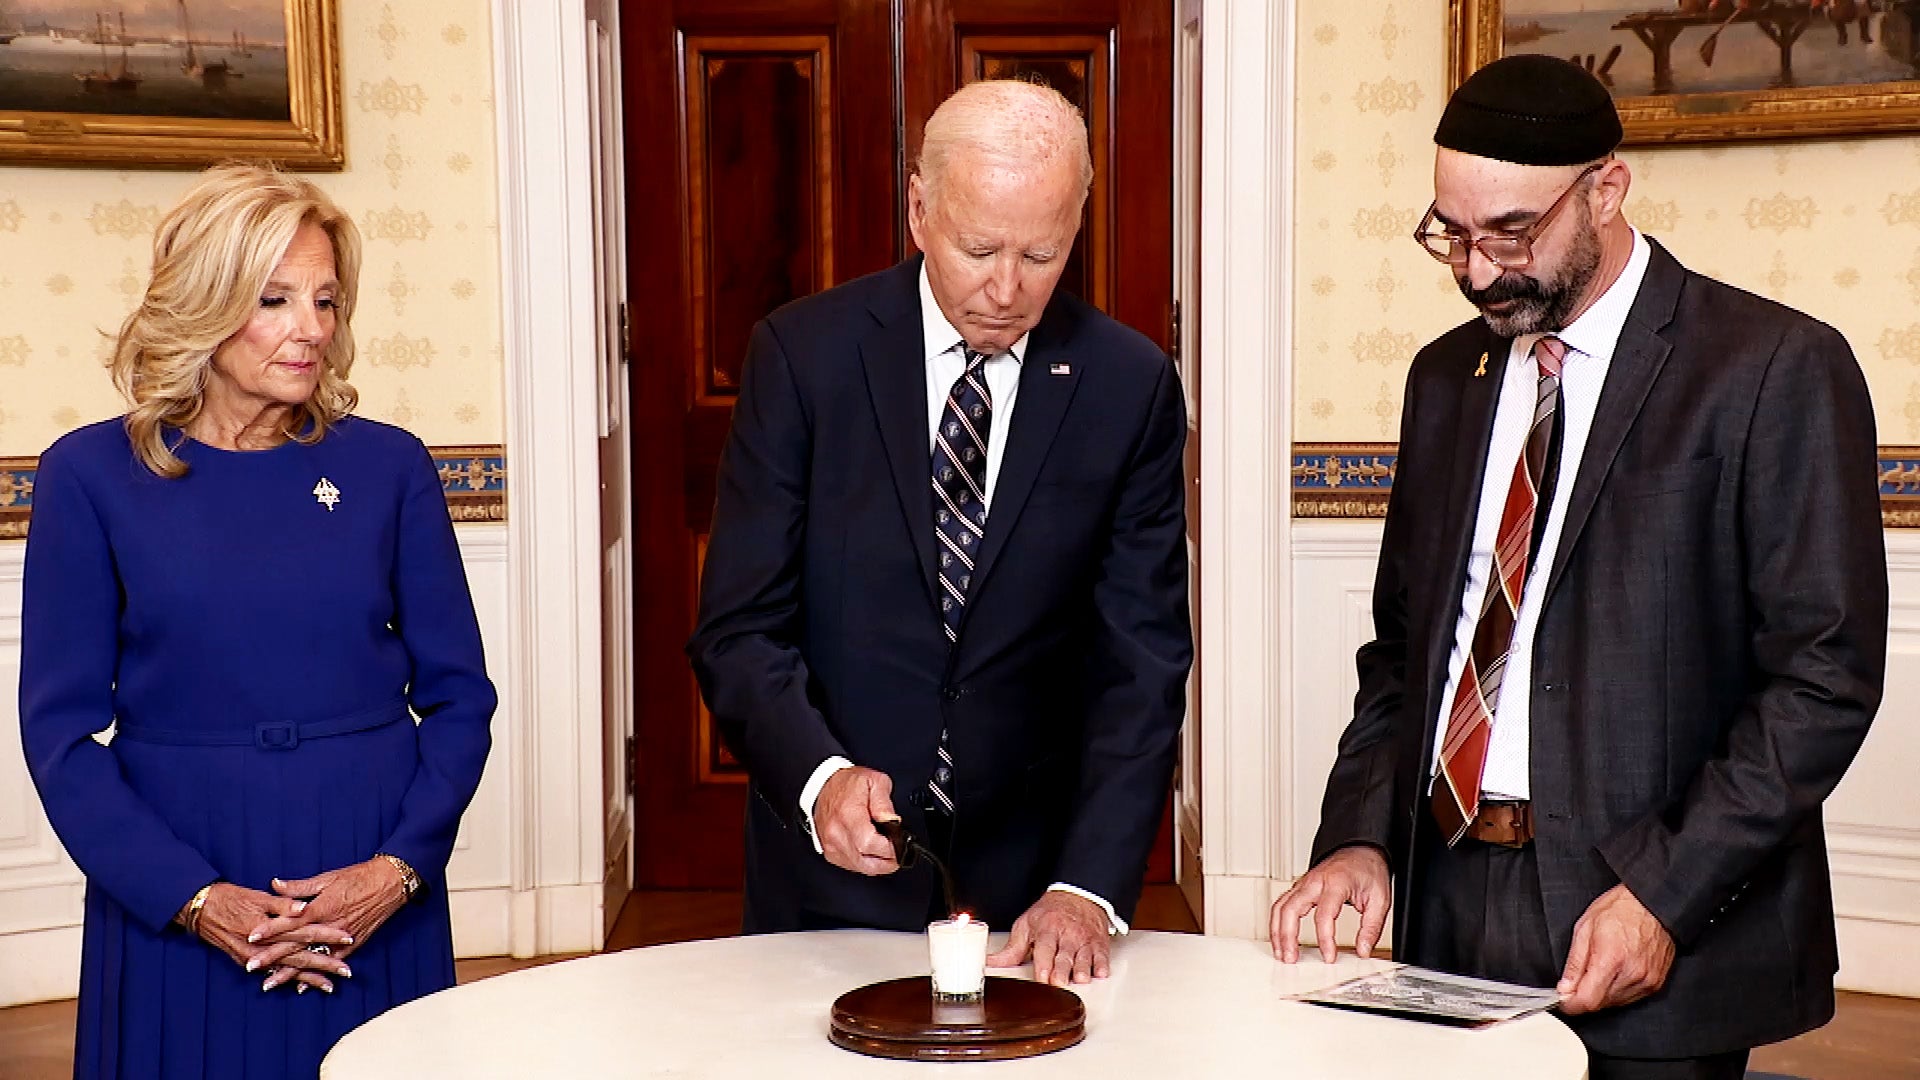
(1630, 617)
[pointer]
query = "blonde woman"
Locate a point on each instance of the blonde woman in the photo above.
(260, 593)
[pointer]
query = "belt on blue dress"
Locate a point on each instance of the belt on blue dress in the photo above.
(273, 734)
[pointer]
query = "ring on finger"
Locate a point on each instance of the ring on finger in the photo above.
(323, 950)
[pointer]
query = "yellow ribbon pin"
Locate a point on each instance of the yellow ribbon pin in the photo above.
(1482, 369)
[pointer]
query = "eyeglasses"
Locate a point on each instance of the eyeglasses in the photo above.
(1511, 251)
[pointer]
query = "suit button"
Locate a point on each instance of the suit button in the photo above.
(950, 693)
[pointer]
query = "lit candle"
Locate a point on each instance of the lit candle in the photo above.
(958, 947)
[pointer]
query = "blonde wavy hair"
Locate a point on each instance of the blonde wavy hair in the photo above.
(212, 256)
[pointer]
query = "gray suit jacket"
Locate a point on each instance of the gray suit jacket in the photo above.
(1708, 659)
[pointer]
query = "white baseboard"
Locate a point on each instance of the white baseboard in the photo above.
(1237, 905)
(39, 965)
(536, 922)
(1878, 957)
(557, 919)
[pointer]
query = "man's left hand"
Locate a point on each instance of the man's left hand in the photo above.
(1067, 936)
(1620, 954)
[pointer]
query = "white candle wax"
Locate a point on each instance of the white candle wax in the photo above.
(958, 948)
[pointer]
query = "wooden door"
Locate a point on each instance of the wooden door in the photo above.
(767, 147)
(759, 148)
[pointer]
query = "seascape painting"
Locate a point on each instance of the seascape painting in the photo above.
(206, 59)
(170, 82)
(1718, 70)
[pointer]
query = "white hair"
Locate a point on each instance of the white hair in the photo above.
(1011, 121)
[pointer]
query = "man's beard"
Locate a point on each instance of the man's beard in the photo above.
(1542, 307)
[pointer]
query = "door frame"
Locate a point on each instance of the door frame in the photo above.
(1246, 350)
(552, 676)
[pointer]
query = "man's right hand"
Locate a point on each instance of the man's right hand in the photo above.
(843, 816)
(1356, 876)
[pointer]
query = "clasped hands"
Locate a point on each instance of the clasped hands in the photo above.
(277, 931)
(1066, 935)
(1620, 952)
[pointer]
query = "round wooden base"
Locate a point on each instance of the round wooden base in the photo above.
(899, 1019)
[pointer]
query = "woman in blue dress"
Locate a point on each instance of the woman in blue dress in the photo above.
(261, 595)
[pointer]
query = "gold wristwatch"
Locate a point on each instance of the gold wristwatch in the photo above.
(409, 880)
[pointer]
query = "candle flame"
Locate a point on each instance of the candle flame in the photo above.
(963, 918)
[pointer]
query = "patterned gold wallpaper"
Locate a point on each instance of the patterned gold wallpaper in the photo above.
(1831, 227)
(417, 76)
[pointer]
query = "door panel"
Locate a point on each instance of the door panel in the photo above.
(1077, 65)
(761, 176)
(755, 156)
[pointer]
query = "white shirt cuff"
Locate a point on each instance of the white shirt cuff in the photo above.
(811, 794)
(1115, 924)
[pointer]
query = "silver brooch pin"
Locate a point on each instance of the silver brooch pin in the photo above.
(327, 494)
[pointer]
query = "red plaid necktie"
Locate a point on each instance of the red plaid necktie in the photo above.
(1463, 755)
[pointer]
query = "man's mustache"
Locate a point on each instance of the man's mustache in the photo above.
(1503, 288)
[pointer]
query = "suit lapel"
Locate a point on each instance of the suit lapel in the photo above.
(1479, 394)
(1037, 413)
(897, 381)
(1637, 361)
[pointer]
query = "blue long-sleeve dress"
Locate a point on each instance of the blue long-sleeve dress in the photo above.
(262, 633)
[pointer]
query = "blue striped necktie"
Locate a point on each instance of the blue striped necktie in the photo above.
(959, 514)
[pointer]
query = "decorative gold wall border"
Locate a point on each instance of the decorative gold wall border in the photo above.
(475, 481)
(473, 477)
(16, 495)
(1351, 480)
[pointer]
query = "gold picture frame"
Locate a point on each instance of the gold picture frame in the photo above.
(1757, 92)
(78, 89)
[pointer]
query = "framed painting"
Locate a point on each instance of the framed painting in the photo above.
(1718, 70)
(170, 82)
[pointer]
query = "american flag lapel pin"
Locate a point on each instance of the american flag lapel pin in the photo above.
(1482, 369)
(1060, 369)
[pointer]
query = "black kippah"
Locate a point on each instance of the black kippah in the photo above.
(1531, 110)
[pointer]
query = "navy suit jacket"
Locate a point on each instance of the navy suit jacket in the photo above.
(819, 632)
(1710, 652)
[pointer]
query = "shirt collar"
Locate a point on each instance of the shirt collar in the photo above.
(940, 336)
(1597, 331)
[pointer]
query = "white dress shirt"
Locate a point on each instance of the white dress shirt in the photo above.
(1590, 342)
(945, 357)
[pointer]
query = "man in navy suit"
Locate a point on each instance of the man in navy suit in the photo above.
(947, 574)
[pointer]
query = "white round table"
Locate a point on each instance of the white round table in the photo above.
(1178, 1005)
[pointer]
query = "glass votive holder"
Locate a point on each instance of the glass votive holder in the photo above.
(958, 949)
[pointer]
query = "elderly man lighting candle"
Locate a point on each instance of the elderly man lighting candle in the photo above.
(947, 576)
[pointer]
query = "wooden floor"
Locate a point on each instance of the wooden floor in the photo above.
(1871, 1038)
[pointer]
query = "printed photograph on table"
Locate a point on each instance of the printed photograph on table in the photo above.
(1718, 70)
(169, 82)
